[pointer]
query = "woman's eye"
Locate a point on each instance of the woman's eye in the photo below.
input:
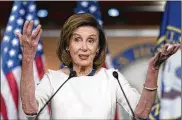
(77, 39)
(91, 40)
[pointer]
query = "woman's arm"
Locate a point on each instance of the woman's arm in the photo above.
(27, 89)
(29, 41)
(148, 96)
(149, 92)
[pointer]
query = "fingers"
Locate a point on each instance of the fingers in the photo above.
(25, 27)
(19, 37)
(36, 31)
(29, 28)
(30, 35)
(39, 34)
(170, 49)
(35, 42)
(164, 50)
(175, 49)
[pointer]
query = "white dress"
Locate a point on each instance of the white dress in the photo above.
(85, 97)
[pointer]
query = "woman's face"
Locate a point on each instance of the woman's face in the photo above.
(83, 45)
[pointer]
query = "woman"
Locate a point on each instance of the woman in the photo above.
(93, 94)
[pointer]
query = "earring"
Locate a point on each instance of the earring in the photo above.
(97, 51)
(67, 49)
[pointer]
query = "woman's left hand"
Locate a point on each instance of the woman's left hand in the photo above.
(148, 95)
(164, 54)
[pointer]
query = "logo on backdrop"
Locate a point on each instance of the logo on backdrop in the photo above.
(132, 54)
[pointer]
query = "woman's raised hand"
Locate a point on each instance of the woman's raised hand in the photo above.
(29, 40)
(164, 54)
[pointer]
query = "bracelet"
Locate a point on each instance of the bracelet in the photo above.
(151, 89)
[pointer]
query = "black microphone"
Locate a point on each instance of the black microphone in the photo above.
(115, 74)
(72, 74)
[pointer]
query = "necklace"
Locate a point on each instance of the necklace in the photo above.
(90, 74)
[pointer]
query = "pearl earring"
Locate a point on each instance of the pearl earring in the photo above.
(97, 51)
(67, 49)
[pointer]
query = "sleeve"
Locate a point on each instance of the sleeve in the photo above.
(131, 93)
(43, 92)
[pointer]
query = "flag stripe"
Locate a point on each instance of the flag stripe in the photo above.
(13, 87)
(3, 109)
(8, 98)
(17, 75)
(39, 66)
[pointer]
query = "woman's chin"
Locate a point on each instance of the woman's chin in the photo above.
(84, 63)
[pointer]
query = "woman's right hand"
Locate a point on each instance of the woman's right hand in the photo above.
(29, 40)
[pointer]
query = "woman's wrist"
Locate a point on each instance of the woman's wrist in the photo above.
(152, 76)
(27, 58)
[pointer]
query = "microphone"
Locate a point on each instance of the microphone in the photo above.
(115, 74)
(72, 74)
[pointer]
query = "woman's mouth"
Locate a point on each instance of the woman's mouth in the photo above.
(83, 57)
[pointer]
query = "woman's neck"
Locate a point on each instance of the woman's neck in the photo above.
(82, 70)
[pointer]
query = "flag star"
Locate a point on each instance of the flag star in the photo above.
(84, 4)
(6, 38)
(10, 63)
(36, 22)
(20, 56)
(20, 21)
(92, 8)
(12, 52)
(17, 30)
(12, 18)
(39, 47)
(81, 11)
(14, 8)
(22, 12)
(15, 42)
(5, 49)
(31, 8)
(29, 17)
(100, 22)
(9, 28)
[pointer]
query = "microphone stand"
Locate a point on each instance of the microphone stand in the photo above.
(115, 74)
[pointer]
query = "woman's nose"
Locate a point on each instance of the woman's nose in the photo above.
(84, 46)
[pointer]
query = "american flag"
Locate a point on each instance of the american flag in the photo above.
(11, 60)
(93, 8)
